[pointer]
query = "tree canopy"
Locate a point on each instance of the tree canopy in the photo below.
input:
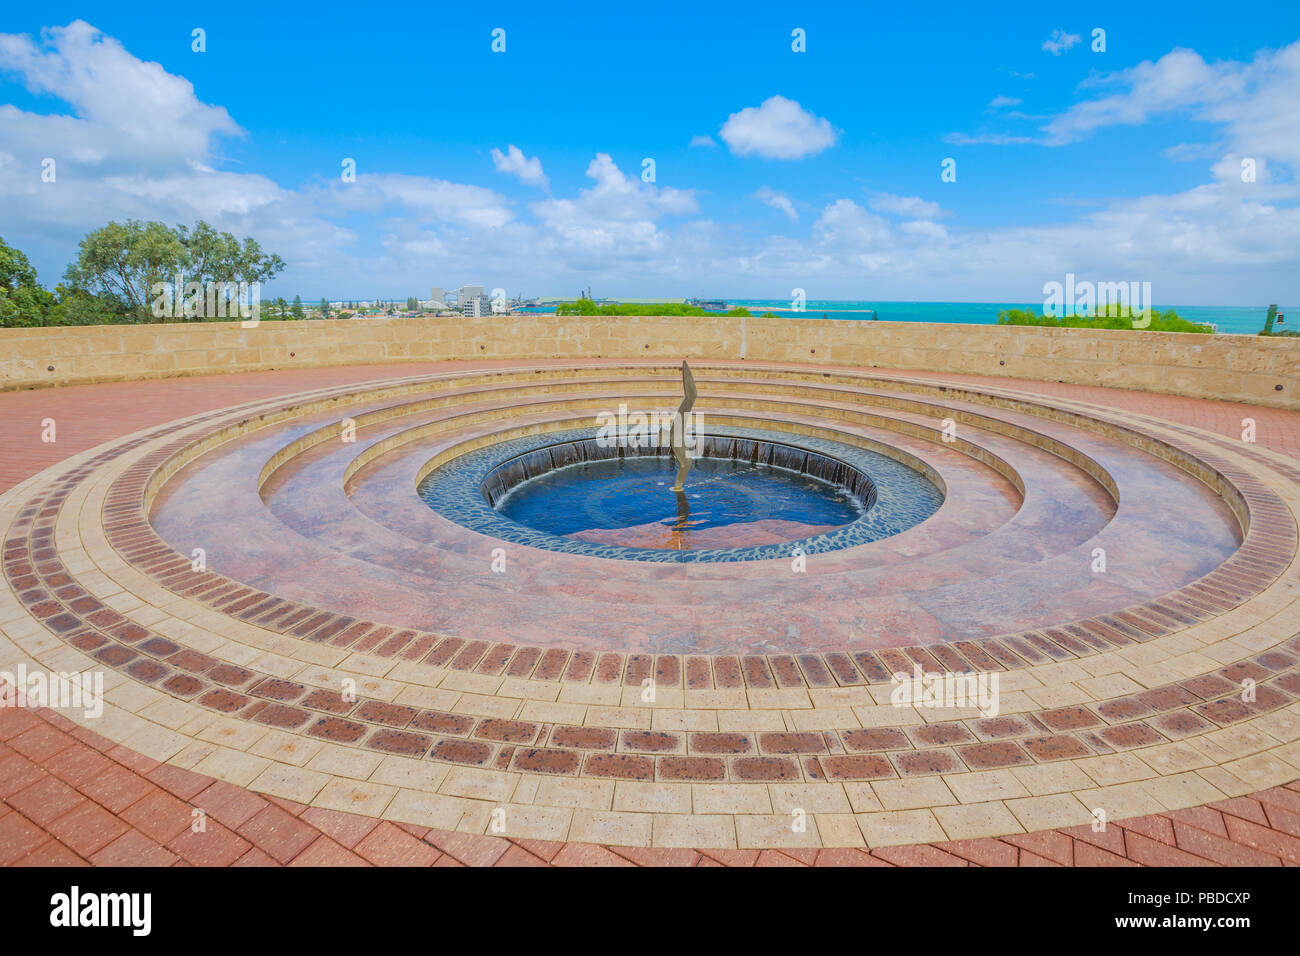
(117, 265)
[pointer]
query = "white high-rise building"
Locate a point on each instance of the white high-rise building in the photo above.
(472, 302)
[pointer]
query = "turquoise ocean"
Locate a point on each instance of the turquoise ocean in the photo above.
(1228, 318)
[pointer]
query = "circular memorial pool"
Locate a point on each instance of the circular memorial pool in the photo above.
(751, 494)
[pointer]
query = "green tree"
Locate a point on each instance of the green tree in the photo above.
(324, 308)
(122, 261)
(297, 311)
(23, 301)
(412, 304)
(212, 256)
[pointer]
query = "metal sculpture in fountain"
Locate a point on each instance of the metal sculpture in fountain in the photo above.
(677, 438)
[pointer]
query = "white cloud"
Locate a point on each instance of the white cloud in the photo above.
(123, 107)
(778, 129)
(1060, 41)
(616, 217)
(1254, 103)
(707, 142)
(777, 200)
(433, 200)
(1000, 102)
(392, 233)
(907, 207)
(514, 163)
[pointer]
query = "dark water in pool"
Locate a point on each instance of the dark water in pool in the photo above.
(630, 492)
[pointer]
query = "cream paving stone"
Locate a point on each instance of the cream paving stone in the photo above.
(352, 796)
(739, 798)
(523, 822)
(611, 827)
(345, 762)
(366, 664)
(193, 755)
(582, 793)
(1115, 768)
(1109, 686)
(717, 831)
(741, 721)
(477, 705)
(720, 700)
(862, 799)
(169, 713)
(410, 774)
(888, 715)
(668, 697)
(604, 694)
(1261, 771)
(836, 718)
(425, 809)
(157, 742)
(764, 831)
(1049, 812)
(236, 734)
(1182, 790)
(789, 699)
(913, 792)
(842, 697)
(661, 798)
(684, 720)
(818, 798)
(544, 712)
(478, 684)
(233, 766)
(985, 785)
(839, 830)
(1227, 783)
(1173, 758)
(1061, 695)
(290, 783)
(425, 698)
(898, 827)
(479, 784)
(1119, 802)
(286, 748)
(973, 821)
(627, 718)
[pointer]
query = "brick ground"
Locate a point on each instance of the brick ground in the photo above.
(71, 797)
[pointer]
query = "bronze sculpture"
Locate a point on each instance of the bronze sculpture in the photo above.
(677, 438)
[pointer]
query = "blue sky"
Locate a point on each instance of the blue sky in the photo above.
(821, 169)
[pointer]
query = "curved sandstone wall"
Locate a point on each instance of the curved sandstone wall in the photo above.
(1246, 368)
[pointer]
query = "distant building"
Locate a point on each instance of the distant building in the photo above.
(470, 301)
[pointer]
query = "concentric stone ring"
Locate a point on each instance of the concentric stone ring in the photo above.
(341, 645)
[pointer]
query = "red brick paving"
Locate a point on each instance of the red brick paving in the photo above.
(70, 797)
(87, 806)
